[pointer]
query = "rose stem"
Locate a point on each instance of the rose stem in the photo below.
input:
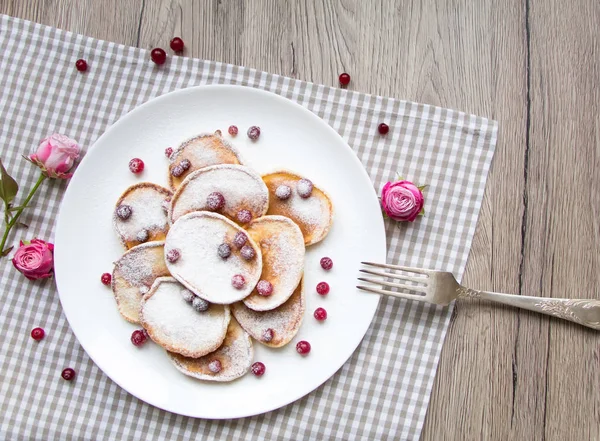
(15, 218)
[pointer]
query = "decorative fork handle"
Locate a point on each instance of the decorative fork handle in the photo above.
(586, 312)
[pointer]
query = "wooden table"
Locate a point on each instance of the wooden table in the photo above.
(533, 65)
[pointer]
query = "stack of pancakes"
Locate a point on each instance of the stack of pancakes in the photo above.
(183, 255)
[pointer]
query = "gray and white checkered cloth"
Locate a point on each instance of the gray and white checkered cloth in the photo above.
(381, 393)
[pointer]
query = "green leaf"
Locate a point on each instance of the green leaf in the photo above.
(422, 212)
(8, 186)
(423, 187)
(6, 251)
(21, 224)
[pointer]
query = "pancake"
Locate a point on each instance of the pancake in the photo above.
(197, 237)
(242, 189)
(284, 321)
(133, 275)
(282, 246)
(175, 325)
(234, 356)
(140, 215)
(313, 214)
(201, 151)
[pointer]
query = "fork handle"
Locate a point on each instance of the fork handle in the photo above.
(586, 312)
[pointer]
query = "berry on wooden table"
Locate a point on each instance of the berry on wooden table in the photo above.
(177, 44)
(344, 79)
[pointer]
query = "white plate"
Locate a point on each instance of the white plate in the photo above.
(291, 137)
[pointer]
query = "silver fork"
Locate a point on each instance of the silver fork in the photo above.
(441, 288)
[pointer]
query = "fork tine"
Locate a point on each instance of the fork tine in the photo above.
(408, 269)
(394, 285)
(393, 294)
(395, 276)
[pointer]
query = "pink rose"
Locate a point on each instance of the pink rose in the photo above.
(402, 200)
(56, 155)
(35, 259)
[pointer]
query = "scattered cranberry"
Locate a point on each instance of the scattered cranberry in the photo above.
(158, 55)
(215, 201)
(177, 171)
(264, 288)
(142, 236)
(199, 304)
(283, 192)
(233, 130)
(224, 251)
(106, 279)
(253, 132)
(383, 128)
(68, 374)
(244, 216)
(124, 212)
(37, 334)
(173, 255)
(139, 337)
(326, 263)
(258, 369)
(267, 335)
(168, 152)
(323, 288)
(247, 252)
(136, 165)
(304, 188)
(344, 79)
(303, 347)
(185, 164)
(177, 44)
(320, 314)
(240, 239)
(81, 65)
(188, 296)
(215, 366)
(238, 281)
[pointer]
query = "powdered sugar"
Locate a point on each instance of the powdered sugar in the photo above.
(174, 324)
(147, 213)
(282, 247)
(198, 236)
(241, 187)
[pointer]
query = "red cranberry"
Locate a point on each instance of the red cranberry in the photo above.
(247, 252)
(267, 335)
(304, 188)
(323, 288)
(139, 337)
(37, 334)
(106, 279)
(344, 79)
(233, 130)
(258, 369)
(173, 255)
(215, 366)
(158, 55)
(383, 128)
(124, 212)
(224, 251)
(168, 152)
(303, 347)
(283, 192)
(264, 288)
(244, 216)
(215, 201)
(185, 164)
(320, 314)
(240, 239)
(68, 374)
(177, 171)
(253, 132)
(326, 263)
(136, 165)
(188, 296)
(200, 304)
(238, 281)
(142, 236)
(177, 44)
(81, 65)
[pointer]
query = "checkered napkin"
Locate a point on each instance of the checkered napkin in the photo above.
(380, 393)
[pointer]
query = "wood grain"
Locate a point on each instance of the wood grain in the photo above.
(530, 64)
